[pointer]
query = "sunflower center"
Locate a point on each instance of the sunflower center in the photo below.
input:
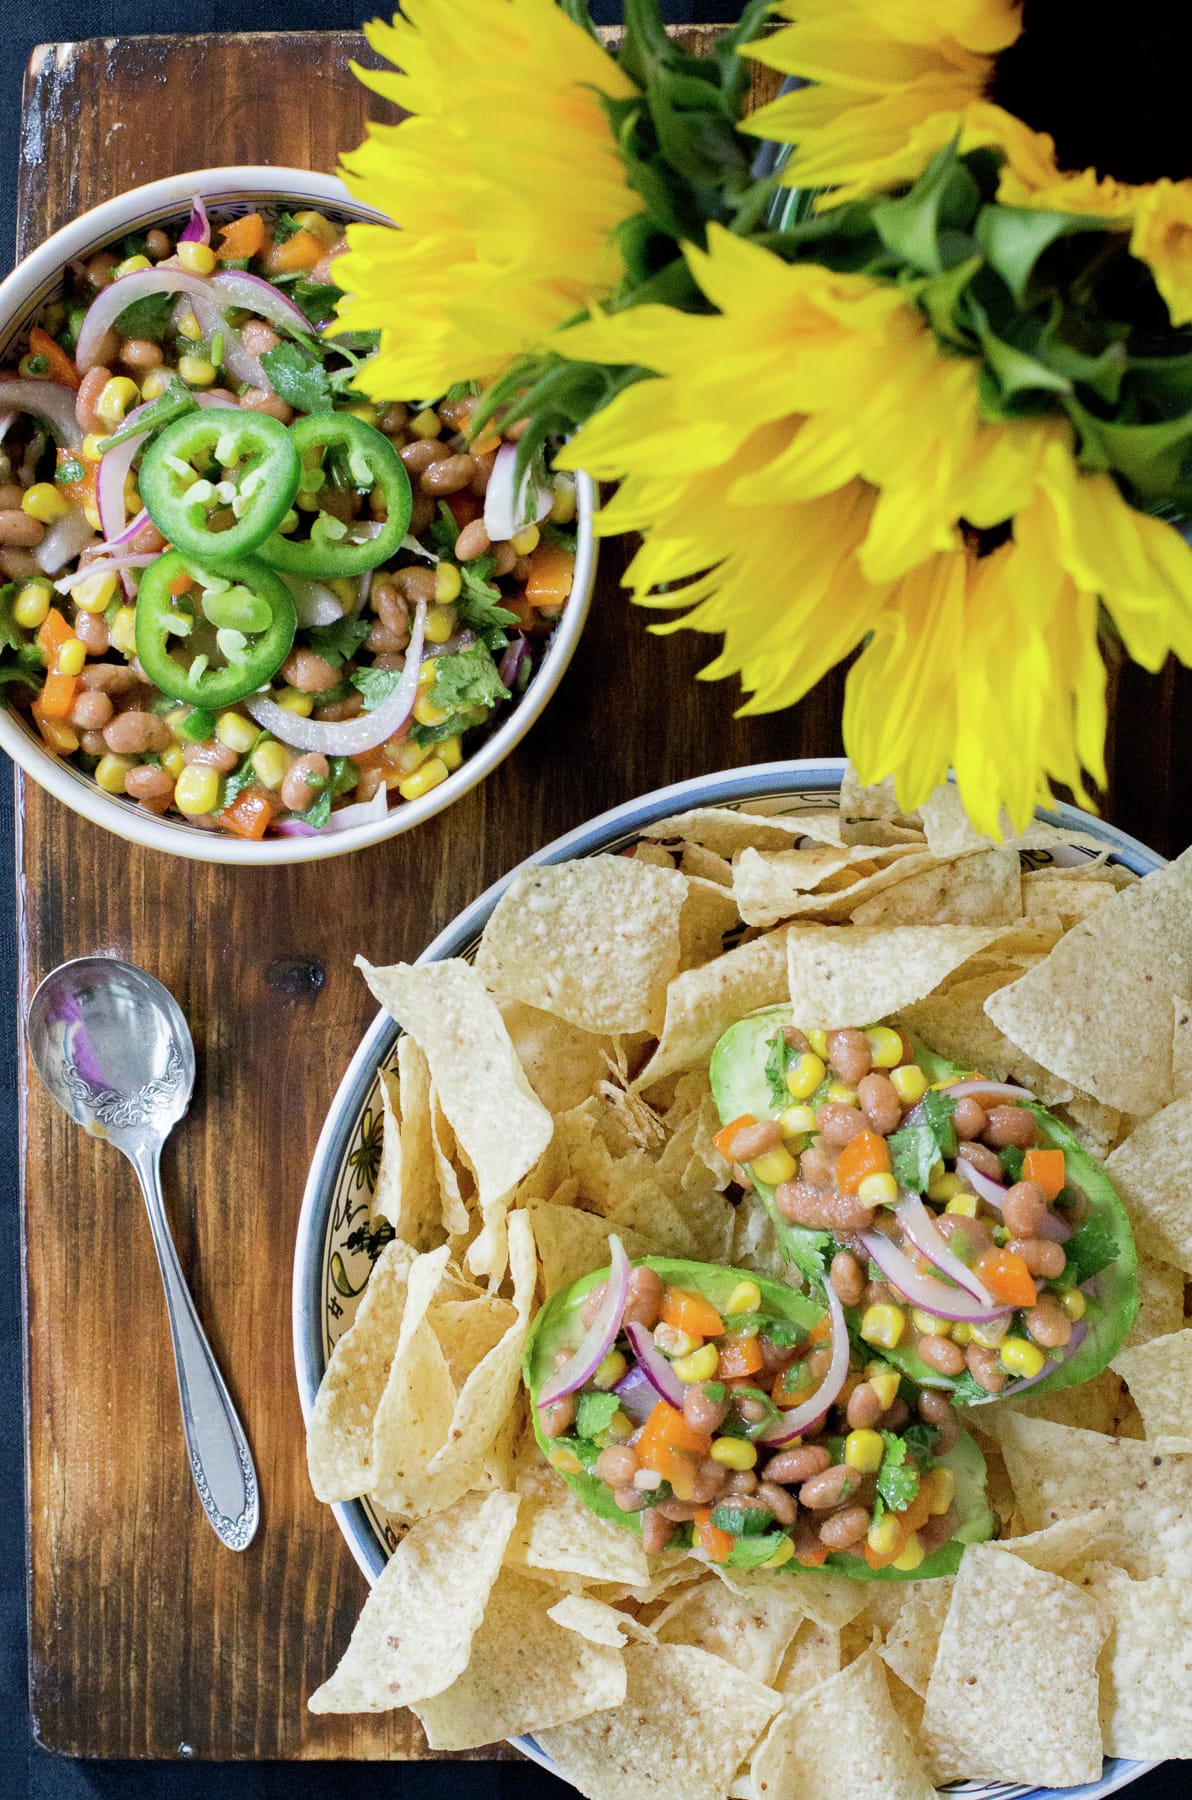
(1113, 99)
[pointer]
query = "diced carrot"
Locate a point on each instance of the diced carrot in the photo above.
(727, 1133)
(672, 1448)
(60, 367)
(821, 1331)
(813, 1558)
(1047, 1168)
(464, 507)
(58, 695)
(917, 1513)
(527, 616)
(302, 251)
(867, 1154)
(82, 489)
(52, 633)
(1007, 1277)
(243, 237)
(182, 584)
(789, 1387)
(738, 1356)
(490, 441)
(250, 813)
(552, 571)
(690, 1312)
(716, 1544)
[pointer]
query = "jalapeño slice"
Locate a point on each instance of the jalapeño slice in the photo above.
(221, 637)
(216, 483)
(368, 462)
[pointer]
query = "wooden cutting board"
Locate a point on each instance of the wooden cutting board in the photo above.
(147, 1638)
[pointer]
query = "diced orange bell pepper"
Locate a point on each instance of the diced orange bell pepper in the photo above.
(58, 364)
(690, 1312)
(716, 1544)
(724, 1137)
(738, 1356)
(1047, 1168)
(52, 633)
(789, 1387)
(867, 1154)
(81, 490)
(243, 237)
(552, 571)
(672, 1448)
(250, 814)
(302, 251)
(813, 1557)
(1007, 1277)
(58, 695)
(821, 1331)
(182, 584)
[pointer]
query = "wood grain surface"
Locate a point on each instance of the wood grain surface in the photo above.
(148, 1639)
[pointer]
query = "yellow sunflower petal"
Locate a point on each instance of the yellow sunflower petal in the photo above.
(1162, 237)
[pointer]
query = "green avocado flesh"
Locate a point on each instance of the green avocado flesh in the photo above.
(740, 1085)
(558, 1327)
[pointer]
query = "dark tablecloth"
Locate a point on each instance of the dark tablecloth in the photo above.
(25, 1771)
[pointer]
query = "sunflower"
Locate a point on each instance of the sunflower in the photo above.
(1085, 119)
(506, 182)
(811, 474)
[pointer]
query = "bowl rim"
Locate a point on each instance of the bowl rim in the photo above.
(22, 292)
(754, 781)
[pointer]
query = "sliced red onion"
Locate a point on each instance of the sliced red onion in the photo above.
(601, 1334)
(256, 295)
(507, 512)
(661, 1376)
(809, 1412)
(115, 466)
(346, 737)
(637, 1394)
(7, 421)
(314, 603)
(64, 540)
(1055, 1228)
(198, 226)
(361, 812)
(47, 400)
(111, 301)
(1012, 1389)
(918, 1225)
(927, 1291)
(992, 1192)
(293, 828)
(999, 1090)
(135, 524)
(363, 592)
(512, 661)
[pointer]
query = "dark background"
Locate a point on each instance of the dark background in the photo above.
(27, 1773)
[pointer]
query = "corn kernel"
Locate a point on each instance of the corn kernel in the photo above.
(130, 266)
(1073, 1302)
(699, 1366)
(946, 1188)
(365, 411)
(188, 327)
(426, 712)
(564, 502)
(927, 1325)
(774, 1166)
(804, 1076)
(525, 542)
(91, 514)
(964, 1204)
(938, 1488)
(196, 790)
(196, 371)
(173, 761)
(566, 1461)
(91, 443)
(70, 657)
(132, 496)
(447, 583)
(991, 1335)
(883, 1324)
(110, 772)
(122, 632)
(937, 1169)
(863, 1451)
(885, 1047)
(734, 1453)
(610, 1371)
(155, 383)
(911, 1554)
(878, 1190)
(440, 624)
(909, 1083)
(619, 1427)
(345, 590)
(673, 1341)
(410, 756)
(1018, 1357)
(425, 424)
(451, 752)
(842, 1094)
(819, 1043)
(57, 733)
(115, 398)
(745, 1297)
(783, 1554)
(883, 1535)
(428, 674)
(422, 780)
(196, 259)
(884, 1382)
(237, 732)
(45, 502)
(962, 1333)
(797, 1121)
(317, 225)
(295, 701)
(270, 762)
(95, 594)
(31, 605)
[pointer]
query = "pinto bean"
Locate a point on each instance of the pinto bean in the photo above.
(820, 1208)
(558, 1417)
(147, 783)
(657, 1532)
(447, 475)
(263, 400)
(708, 1483)
(258, 337)
(849, 1054)
(864, 1407)
(415, 585)
(617, 1465)
(1042, 1256)
(20, 530)
(780, 1503)
(1024, 1208)
(838, 1124)
(309, 672)
(132, 733)
(941, 1354)
(140, 353)
(880, 1103)
(829, 1488)
(700, 1412)
(1011, 1125)
(645, 1298)
(214, 754)
(90, 388)
(983, 1159)
(741, 1481)
(817, 1165)
(92, 632)
(110, 678)
(91, 710)
(749, 1141)
(419, 455)
(148, 541)
(1048, 1323)
(845, 1528)
(985, 1367)
(973, 1237)
(628, 1499)
(18, 565)
(297, 791)
(791, 1467)
(970, 1118)
(848, 1278)
(473, 541)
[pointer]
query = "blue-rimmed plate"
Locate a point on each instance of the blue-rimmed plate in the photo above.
(336, 1246)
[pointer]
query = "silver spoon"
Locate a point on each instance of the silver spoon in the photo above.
(113, 1048)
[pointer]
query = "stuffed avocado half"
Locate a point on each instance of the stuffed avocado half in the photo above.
(710, 1409)
(972, 1240)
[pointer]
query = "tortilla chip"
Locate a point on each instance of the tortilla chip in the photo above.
(453, 1212)
(499, 1123)
(871, 814)
(954, 1022)
(751, 1633)
(414, 1415)
(1101, 1404)
(830, 1600)
(695, 860)
(724, 831)
(1065, 894)
(1097, 1010)
(591, 1619)
(593, 941)
(1013, 1693)
(562, 1063)
(840, 977)
(1181, 1051)
(709, 915)
(1095, 1127)
(910, 1649)
(982, 889)
(525, 1673)
(1146, 1666)
(947, 827)
(702, 1003)
(558, 1534)
(572, 1243)
(339, 1436)
(1160, 1301)
(843, 1736)
(813, 1655)
(687, 1723)
(1150, 1172)
(1067, 1544)
(1159, 1376)
(415, 1635)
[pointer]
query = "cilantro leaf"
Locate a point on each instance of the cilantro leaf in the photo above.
(338, 643)
(563, 537)
(584, 1451)
(913, 1154)
(376, 685)
(479, 603)
(441, 533)
(341, 775)
(11, 635)
(146, 318)
(1011, 1158)
(742, 1521)
(920, 1439)
(752, 1552)
(462, 390)
(967, 1390)
(241, 777)
(897, 1480)
(285, 226)
(468, 678)
(778, 1060)
(1089, 1251)
(596, 1413)
(938, 1109)
(454, 725)
(317, 299)
(300, 381)
(10, 672)
(171, 405)
(199, 725)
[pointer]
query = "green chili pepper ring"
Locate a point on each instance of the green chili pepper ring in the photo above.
(258, 459)
(164, 619)
(373, 459)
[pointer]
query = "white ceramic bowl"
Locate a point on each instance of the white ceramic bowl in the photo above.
(22, 297)
(334, 1251)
